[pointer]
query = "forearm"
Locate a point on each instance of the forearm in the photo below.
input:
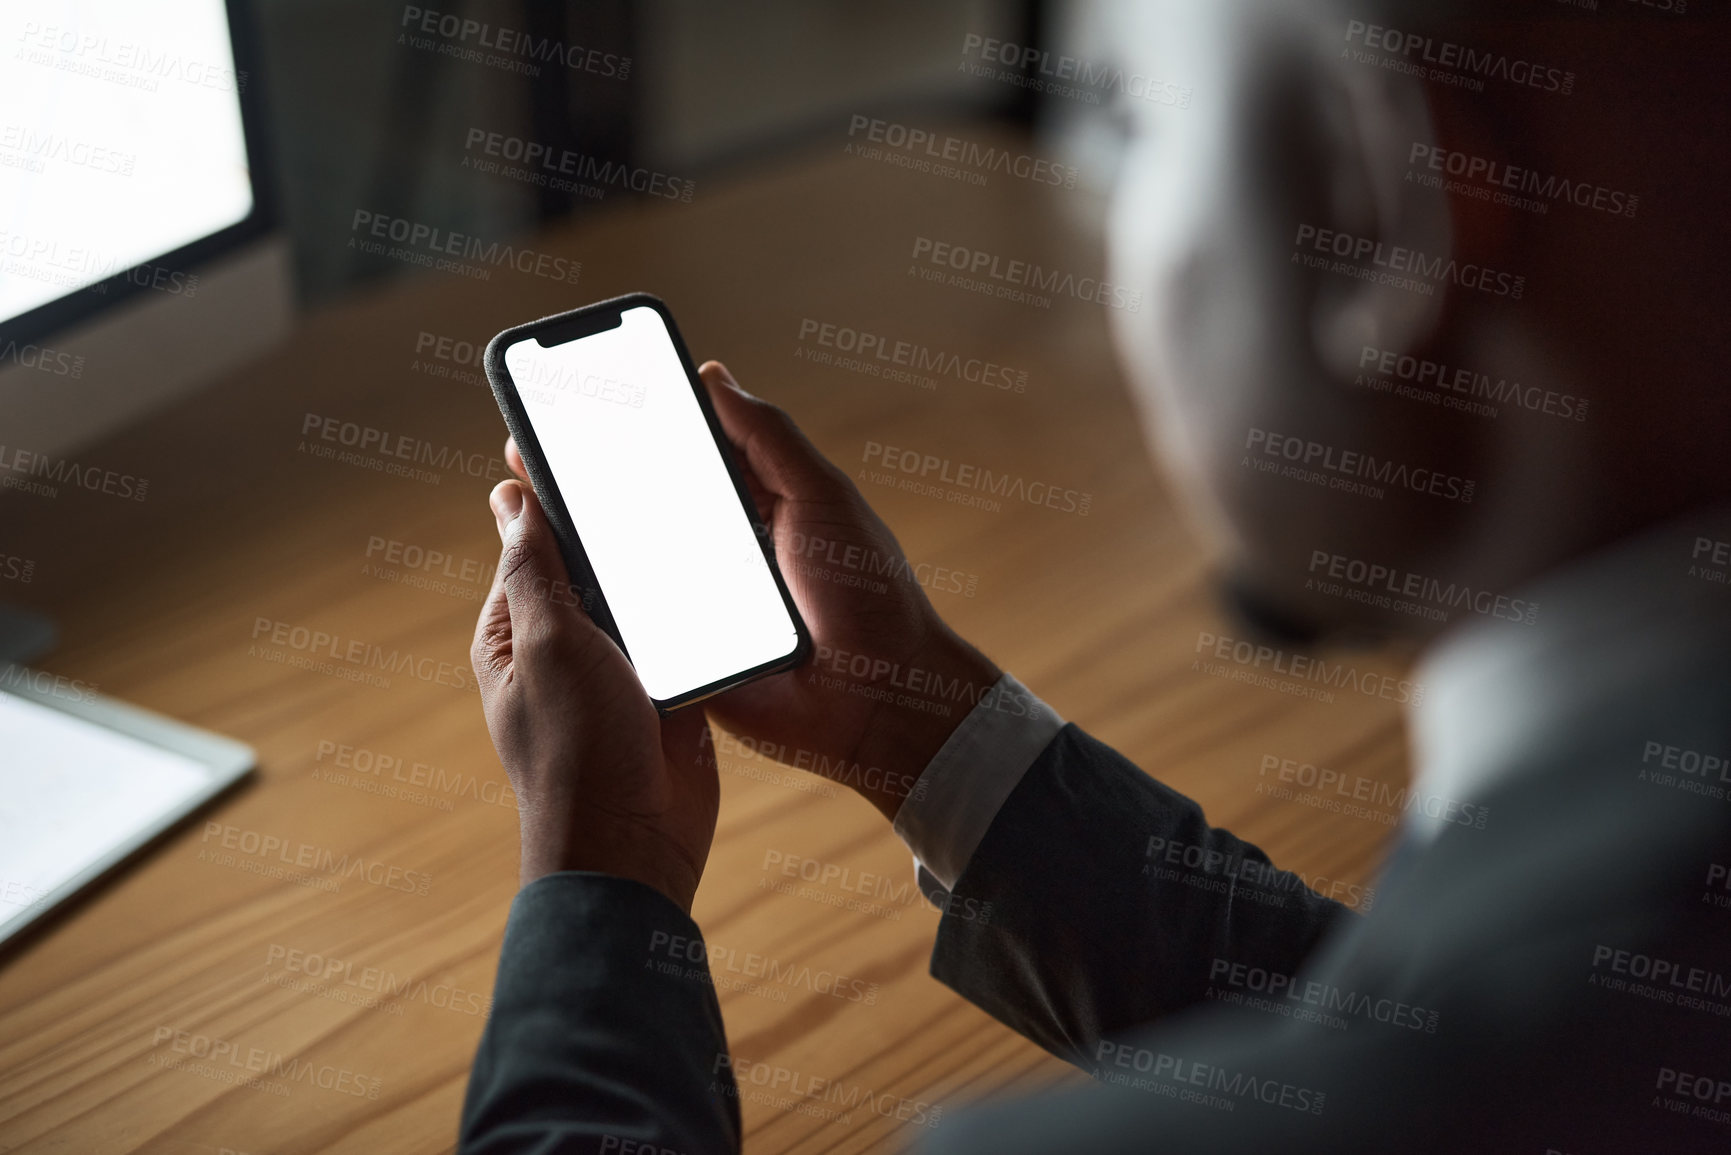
(599, 1032)
(1113, 903)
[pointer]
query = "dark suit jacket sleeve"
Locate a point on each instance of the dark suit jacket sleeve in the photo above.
(1100, 900)
(603, 1029)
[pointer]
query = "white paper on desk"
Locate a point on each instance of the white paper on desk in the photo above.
(72, 792)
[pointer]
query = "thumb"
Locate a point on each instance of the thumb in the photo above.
(783, 458)
(531, 601)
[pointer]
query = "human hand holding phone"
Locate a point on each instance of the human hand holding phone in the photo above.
(821, 715)
(829, 715)
(604, 782)
(631, 488)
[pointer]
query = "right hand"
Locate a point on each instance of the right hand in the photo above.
(832, 551)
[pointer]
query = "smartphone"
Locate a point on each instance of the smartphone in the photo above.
(653, 518)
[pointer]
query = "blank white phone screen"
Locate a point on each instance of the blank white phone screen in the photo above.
(671, 546)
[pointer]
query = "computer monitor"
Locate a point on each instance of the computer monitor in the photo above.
(139, 256)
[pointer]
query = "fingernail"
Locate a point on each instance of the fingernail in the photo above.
(507, 503)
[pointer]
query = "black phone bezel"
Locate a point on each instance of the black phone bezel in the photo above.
(579, 323)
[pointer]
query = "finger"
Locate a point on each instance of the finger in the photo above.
(490, 649)
(783, 458)
(514, 459)
(524, 609)
(764, 500)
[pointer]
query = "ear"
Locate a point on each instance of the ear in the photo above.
(1374, 123)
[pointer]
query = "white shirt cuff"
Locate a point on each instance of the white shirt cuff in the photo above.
(954, 801)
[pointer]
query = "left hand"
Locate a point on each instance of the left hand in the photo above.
(603, 782)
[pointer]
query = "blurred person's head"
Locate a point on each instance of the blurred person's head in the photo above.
(1320, 315)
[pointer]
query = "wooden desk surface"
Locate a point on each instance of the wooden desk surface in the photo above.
(173, 602)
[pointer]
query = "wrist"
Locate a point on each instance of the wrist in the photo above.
(637, 856)
(901, 740)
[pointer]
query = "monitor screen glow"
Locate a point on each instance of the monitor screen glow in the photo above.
(121, 140)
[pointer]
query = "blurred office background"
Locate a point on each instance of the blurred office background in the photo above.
(357, 120)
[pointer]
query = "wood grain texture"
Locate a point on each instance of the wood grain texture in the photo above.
(159, 602)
